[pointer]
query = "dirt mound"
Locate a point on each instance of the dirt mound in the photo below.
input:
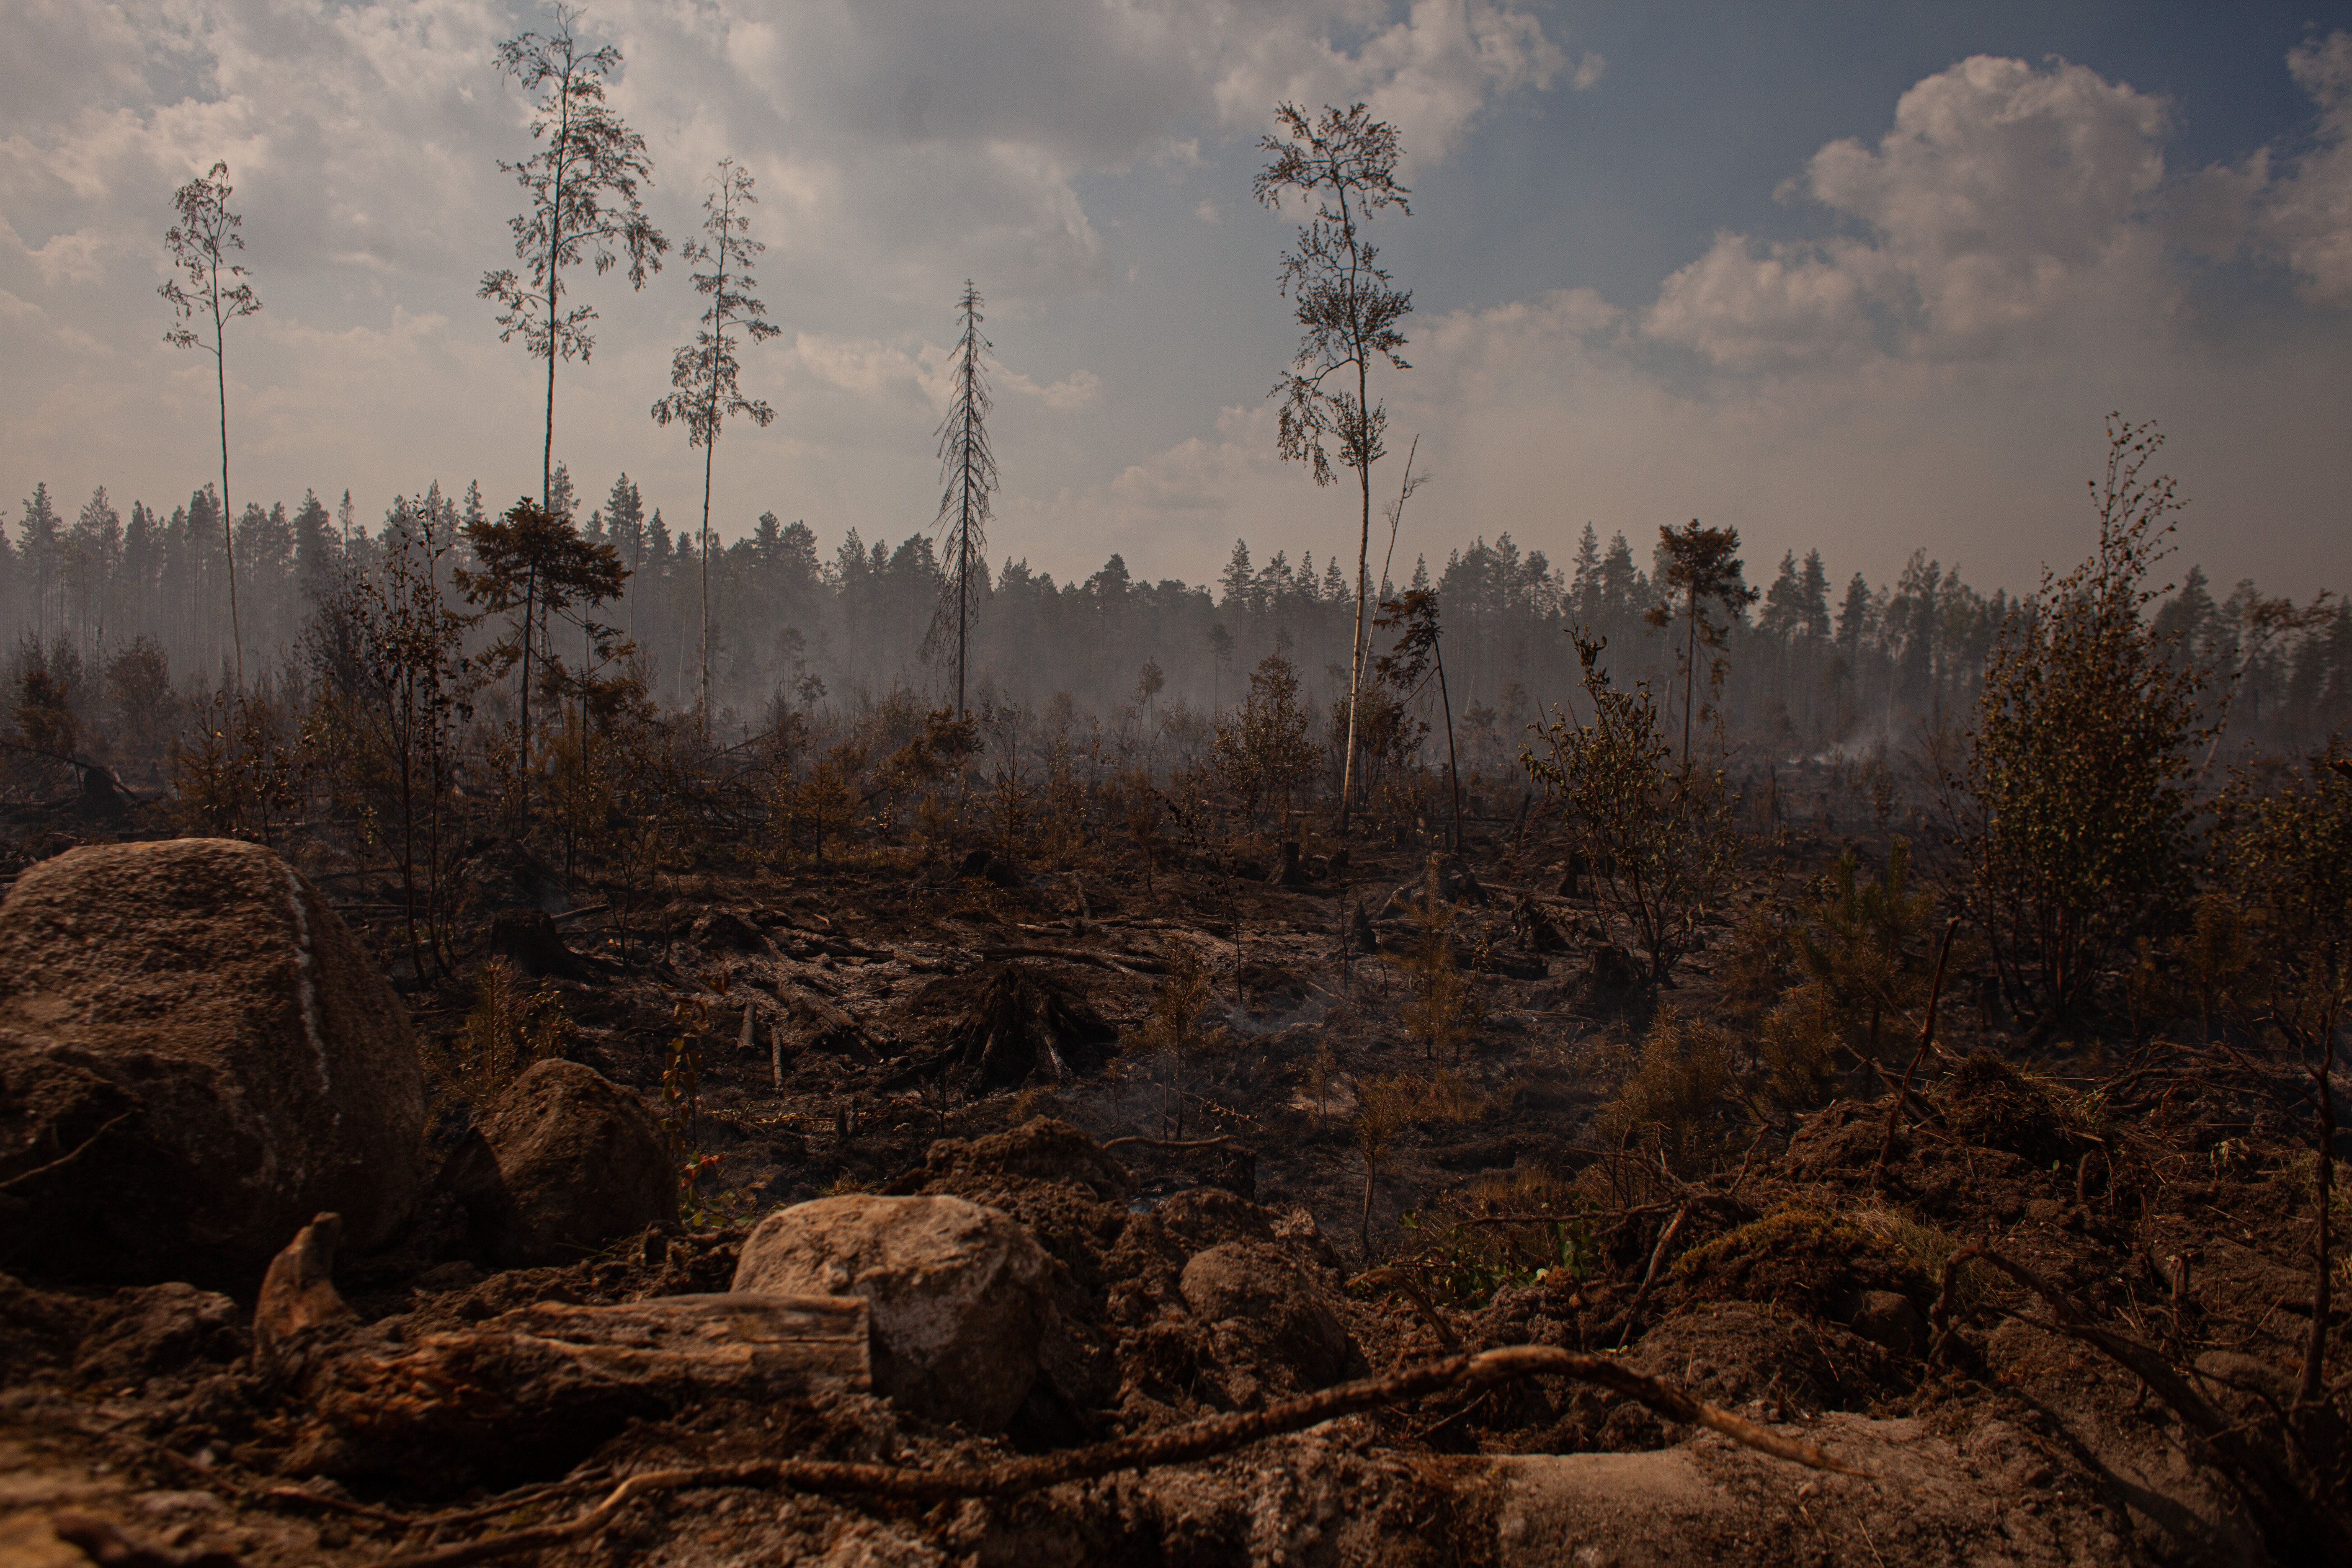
(1800, 1258)
(1994, 1106)
(988, 867)
(1226, 1304)
(725, 930)
(1039, 1150)
(1918, 1497)
(527, 940)
(1004, 1023)
(1730, 1353)
(151, 1331)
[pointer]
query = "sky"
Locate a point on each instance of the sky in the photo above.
(1866, 277)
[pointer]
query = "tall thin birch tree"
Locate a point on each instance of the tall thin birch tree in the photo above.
(704, 371)
(968, 471)
(583, 189)
(199, 244)
(1345, 163)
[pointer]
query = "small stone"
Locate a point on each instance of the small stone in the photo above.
(1887, 1318)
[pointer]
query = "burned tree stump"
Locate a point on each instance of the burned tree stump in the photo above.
(1006, 1023)
(527, 940)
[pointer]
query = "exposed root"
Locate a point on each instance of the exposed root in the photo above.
(2295, 1525)
(1180, 1445)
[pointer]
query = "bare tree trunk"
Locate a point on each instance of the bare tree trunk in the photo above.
(228, 516)
(2314, 1380)
(522, 755)
(1690, 670)
(1453, 764)
(1356, 653)
(963, 543)
(710, 451)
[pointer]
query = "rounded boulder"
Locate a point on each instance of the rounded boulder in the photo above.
(957, 1294)
(196, 1058)
(1258, 1293)
(567, 1162)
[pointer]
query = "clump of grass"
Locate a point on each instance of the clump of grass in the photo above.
(1037, 1099)
(1462, 1257)
(1179, 1003)
(1675, 1102)
(1799, 1049)
(1527, 1189)
(1443, 1012)
(1926, 1249)
(508, 1029)
(1815, 1257)
(1448, 1098)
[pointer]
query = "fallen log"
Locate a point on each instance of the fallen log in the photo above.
(544, 1385)
(540, 1385)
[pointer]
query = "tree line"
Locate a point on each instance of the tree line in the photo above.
(1806, 669)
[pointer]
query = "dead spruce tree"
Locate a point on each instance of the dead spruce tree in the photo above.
(200, 245)
(582, 201)
(968, 471)
(703, 373)
(1345, 163)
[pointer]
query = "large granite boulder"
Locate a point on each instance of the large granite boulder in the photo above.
(566, 1162)
(958, 1294)
(195, 1057)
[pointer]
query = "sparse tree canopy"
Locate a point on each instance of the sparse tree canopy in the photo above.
(1702, 568)
(200, 245)
(703, 373)
(581, 189)
(2079, 766)
(529, 563)
(1419, 647)
(1345, 164)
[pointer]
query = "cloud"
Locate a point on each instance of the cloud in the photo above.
(1743, 306)
(2006, 197)
(2009, 260)
(1077, 390)
(1430, 73)
(2307, 214)
(2011, 208)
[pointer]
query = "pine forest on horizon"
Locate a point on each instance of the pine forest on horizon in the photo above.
(111, 608)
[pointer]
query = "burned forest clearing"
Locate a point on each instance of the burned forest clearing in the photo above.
(1221, 1133)
(550, 1038)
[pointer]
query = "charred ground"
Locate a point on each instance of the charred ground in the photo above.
(1185, 1077)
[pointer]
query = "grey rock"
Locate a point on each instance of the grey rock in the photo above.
(959, 1294)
